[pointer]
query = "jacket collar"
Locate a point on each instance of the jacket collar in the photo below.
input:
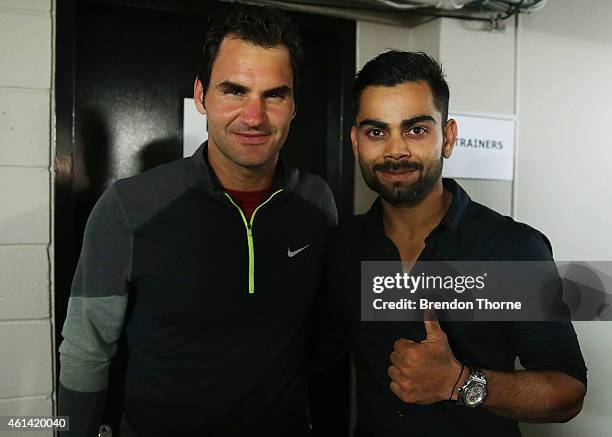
(285, 178)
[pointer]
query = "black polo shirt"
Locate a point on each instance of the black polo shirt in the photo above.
(468, 232)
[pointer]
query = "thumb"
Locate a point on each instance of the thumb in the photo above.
(432, 326)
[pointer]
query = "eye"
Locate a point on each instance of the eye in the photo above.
(234, 91)
(375, 132)
(417, 130)
(274, 96)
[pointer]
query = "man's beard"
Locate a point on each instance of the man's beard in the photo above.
(398, 193)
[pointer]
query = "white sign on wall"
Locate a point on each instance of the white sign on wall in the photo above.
(484, 148)
(194, 128)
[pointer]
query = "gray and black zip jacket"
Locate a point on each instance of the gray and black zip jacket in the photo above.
(216, 328)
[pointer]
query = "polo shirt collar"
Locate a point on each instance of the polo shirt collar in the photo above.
(459, 204)
(451, 219)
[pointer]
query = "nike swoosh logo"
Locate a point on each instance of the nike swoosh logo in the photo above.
(292, 253)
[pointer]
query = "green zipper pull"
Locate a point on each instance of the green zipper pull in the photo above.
(251, 260)
(249, 230)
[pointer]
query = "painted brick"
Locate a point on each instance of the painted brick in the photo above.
(24, 127)
(27, 5)
(28, 406)
(25, 46)
(25, 367)
(24, 282)
(24, 205)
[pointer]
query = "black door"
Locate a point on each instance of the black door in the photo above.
(122, 71)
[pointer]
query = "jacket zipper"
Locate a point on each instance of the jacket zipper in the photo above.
(249, 230)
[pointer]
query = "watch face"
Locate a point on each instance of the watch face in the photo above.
(475, 394)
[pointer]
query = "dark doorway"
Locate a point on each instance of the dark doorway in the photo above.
(122, 71)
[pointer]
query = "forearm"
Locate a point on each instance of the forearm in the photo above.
(533, 396)
(83, 409)
(95, 315)
(82, 384)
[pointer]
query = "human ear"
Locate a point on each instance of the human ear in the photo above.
(198, 96)
(450, 135)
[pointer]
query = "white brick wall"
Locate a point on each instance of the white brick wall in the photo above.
(25, 49)
(26, 330)
(26, 406)
(24, 123)
(24, 281)
(27, 344)
(24, 205)
(26, 5)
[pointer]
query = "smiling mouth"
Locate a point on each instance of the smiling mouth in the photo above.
(252, 138)
(397, 175)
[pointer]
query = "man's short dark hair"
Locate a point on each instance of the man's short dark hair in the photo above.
(396, 67)
(259, 25)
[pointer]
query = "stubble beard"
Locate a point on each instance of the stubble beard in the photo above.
(232, 151)
(399, 193)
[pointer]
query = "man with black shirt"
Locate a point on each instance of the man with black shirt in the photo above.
(205, 253)
(408, 372)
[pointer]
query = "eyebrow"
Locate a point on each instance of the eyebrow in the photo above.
(375, 123)
(405, 124)
(227, 85)
(281, 90)
(415, 120)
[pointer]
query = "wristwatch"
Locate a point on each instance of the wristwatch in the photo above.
(474, 392)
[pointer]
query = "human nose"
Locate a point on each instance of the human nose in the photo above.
(254, 112)
(396, 148)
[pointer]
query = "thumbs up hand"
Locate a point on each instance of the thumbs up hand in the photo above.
(425, 372)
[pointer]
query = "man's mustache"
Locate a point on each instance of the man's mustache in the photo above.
(262, 129)
(398, 166)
